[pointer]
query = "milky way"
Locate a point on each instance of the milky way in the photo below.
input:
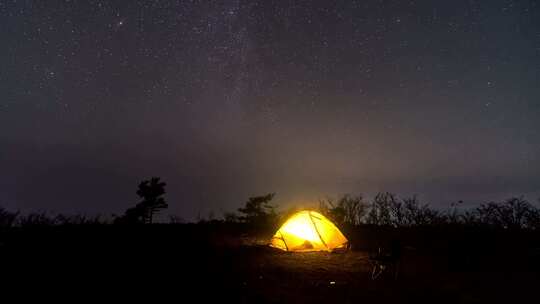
(225, 100)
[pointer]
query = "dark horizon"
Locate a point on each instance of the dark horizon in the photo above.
(227, 100)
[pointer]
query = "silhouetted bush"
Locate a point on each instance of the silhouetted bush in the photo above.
(78, 220)
(386, 209)
(7, 218)
(231, 217)
(348, 210)
(36, 219)
(44, 219)
(175, 219)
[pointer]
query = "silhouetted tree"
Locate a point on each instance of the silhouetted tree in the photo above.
(469, 218)
(258, 210)
(532, 218)
(419, 214)
(355, 208)
(379, 213)
(397, 210)
(452, 216)
(151, 191)
(514, 213)
(332, 210)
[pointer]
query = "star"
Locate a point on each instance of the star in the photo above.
(251, 82)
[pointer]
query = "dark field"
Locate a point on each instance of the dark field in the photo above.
(205, 262)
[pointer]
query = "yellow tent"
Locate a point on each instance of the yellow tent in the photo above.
(308, 231)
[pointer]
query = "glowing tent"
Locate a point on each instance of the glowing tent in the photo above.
(308, 231)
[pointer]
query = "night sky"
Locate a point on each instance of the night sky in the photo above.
(226, 100)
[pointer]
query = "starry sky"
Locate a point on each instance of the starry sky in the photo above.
(230, 99)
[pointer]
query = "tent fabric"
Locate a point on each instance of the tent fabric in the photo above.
(308, 231)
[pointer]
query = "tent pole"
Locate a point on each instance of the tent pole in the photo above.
(283, 239)
(315, 227)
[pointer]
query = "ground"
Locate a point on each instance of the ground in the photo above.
(211, 263)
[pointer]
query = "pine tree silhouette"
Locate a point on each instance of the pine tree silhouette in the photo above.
(151, 192)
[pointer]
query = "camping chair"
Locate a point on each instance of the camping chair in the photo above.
(385, 262)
